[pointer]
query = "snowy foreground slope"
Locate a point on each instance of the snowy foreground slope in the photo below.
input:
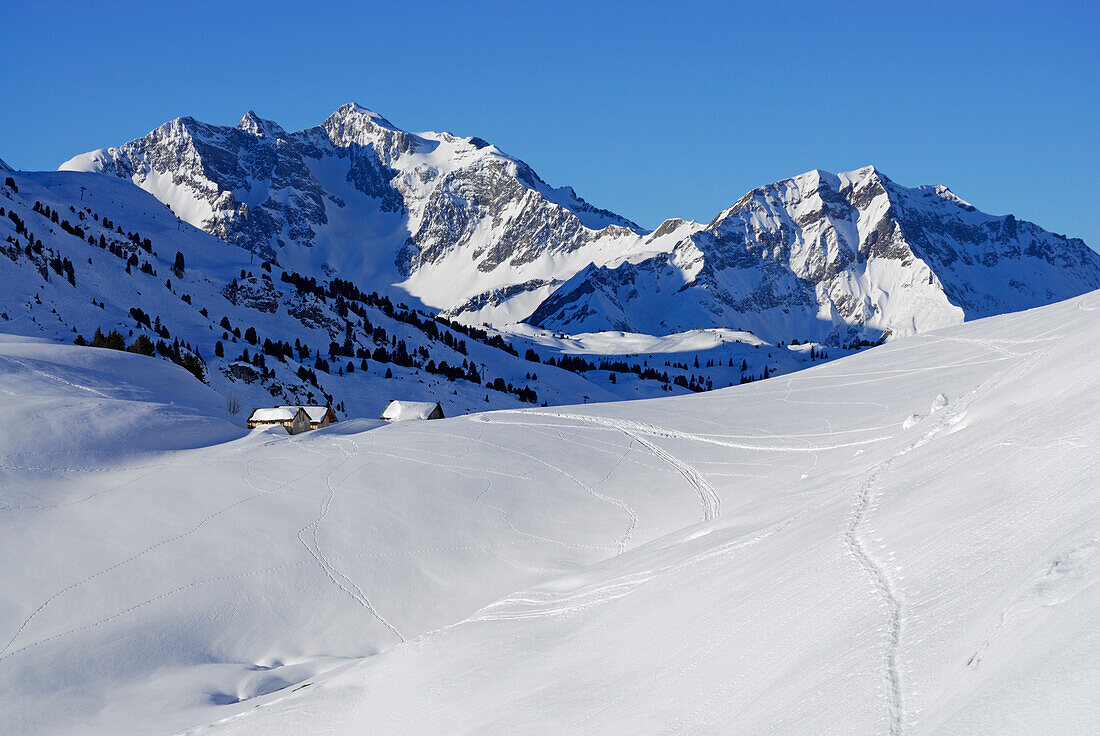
(903, 541)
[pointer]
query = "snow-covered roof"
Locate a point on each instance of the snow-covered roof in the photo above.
(315, 413)
(399, 411)
(278, 414)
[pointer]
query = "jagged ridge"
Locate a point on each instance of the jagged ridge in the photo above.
(476, 233)
(358, 185)
(832, 257)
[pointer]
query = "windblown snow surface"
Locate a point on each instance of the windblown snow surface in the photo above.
(903, 541)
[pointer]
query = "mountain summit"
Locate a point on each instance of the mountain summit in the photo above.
(452, 217)
(475, 233)
(815, 255)
(257, 126)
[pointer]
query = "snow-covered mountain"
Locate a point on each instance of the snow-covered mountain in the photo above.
(905, 541)
(829, 258)
(315, 239)
(471, 231)
(460, 224)
(83, 252)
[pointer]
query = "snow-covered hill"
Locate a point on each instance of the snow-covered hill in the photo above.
(902, 541)
(466, 229)
(80, 409)
(84, 252)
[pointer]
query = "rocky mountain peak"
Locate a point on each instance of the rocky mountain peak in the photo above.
(854, 255)
(353, 111)
(257, 126)
(353, 125)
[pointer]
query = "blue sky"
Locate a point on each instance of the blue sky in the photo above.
(653, 110)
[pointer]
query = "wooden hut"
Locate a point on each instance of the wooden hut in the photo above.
(319, 416)
(292, 418)
(400, 411)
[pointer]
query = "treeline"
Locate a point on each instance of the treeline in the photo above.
(125, 250)
(44, 258)
(350, 299)
(691, 382)
(182, 355)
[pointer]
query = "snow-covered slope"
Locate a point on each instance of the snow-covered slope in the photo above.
(76, 408)
(903, 541)
(829, 258)
(82, 252)
(118, 243)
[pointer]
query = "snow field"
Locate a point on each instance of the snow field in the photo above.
(813, 553)
(932, 579)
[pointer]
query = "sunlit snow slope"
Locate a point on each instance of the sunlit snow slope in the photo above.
(904, 541)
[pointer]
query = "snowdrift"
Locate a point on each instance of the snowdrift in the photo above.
(903, 541)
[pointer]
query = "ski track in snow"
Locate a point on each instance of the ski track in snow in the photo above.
(864, 499)
(651, 430)
(540, 604)
(338, 578)
(623, 540)
(54, 377)
(4, 653)
(708, 497)
(948, 415)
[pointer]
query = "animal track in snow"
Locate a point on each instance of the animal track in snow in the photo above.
(1068, 574)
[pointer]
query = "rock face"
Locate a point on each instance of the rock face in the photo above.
(244, 184)
(477, 234)
(832, 258)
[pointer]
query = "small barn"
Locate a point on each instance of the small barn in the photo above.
(400, 411)
(319, 416)
(293, 418)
